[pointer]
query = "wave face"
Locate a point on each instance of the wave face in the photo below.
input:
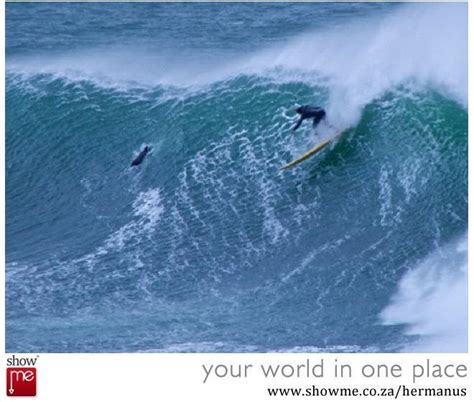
(208, 246)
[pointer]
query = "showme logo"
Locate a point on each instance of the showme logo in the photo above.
(21, 376)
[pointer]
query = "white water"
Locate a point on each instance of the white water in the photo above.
(432, 301)
(421, 44)
(424, 44)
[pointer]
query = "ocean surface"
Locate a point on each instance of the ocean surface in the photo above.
(208, 246)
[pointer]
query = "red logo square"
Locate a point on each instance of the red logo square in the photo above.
(21, 381)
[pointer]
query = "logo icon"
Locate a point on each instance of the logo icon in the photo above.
(21, 381)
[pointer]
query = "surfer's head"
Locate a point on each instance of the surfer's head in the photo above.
(299, 109)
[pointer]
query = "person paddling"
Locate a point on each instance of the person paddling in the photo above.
(139, 159)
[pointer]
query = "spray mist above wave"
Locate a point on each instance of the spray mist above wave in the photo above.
(358, 61)
(366, 58)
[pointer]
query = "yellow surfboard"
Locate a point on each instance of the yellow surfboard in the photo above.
(311, 152)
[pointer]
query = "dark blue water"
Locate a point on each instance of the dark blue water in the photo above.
(208, 246)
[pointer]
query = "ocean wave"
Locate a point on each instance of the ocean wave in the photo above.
(431, 301)
(208, 245)
(424, 45)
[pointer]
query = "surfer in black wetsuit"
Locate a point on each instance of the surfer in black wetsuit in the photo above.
(139, 159)
(310, 112)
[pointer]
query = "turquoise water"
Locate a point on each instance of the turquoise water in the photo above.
(207, 246)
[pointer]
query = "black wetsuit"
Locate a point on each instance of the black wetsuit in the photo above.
(141, 156)
(310, 112)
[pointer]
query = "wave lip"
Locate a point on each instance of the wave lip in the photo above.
(432, 301)
(360, 60)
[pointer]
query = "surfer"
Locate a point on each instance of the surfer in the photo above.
(308, 112)
(139, 159)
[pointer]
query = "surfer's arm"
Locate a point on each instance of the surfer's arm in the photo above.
(298, 124)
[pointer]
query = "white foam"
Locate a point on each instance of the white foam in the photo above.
(202, 347)
(389, 213)
(432, 301)
(147, 209)
(427, 43)
(358, 62)
(327, 349)
(213, 347)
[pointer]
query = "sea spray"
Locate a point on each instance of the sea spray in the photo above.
(431, 301)
(209, 247)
